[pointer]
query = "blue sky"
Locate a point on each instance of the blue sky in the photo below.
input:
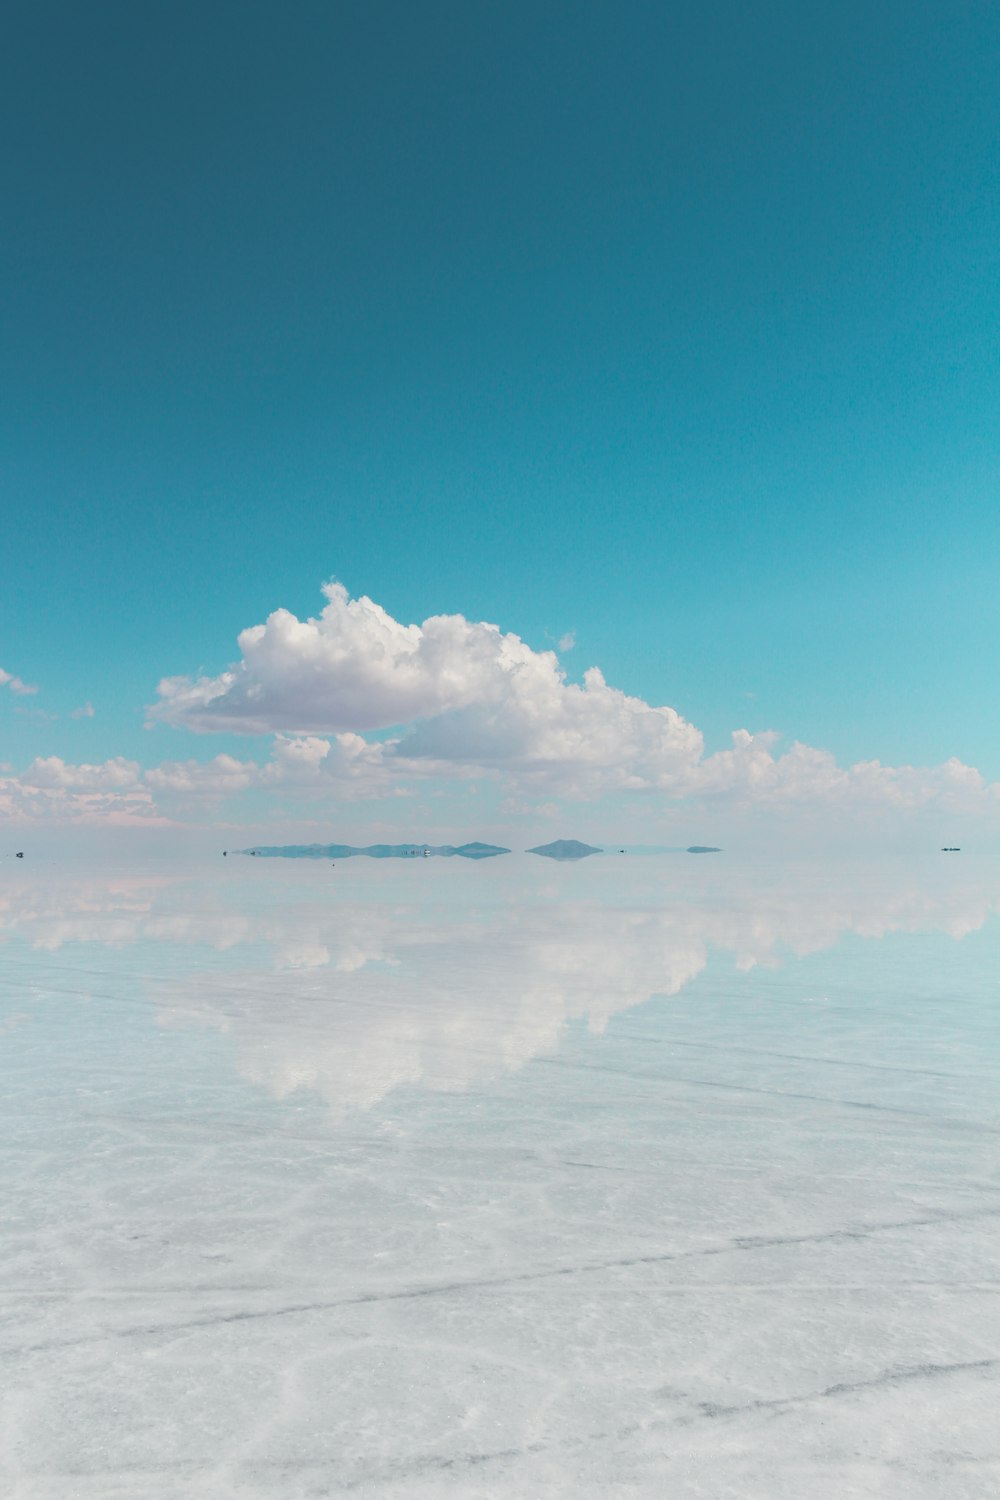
(675, 331)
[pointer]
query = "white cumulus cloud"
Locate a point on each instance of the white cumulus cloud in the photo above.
(352, 668)
(451, 700)
(473, 697)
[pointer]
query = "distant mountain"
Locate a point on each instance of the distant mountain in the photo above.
(477, 851)
(566, 849)
(702, 849)
(375, 851)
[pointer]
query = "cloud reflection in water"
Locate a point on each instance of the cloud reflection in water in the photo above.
(351, 992)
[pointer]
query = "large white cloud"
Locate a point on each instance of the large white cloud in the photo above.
(556, 736)
(353, 668)
(468, 700)
(459, 700)
(474, 697)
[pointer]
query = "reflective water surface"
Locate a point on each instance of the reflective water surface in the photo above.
(637, 1177)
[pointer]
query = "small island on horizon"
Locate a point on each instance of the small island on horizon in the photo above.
(559, 849)
(565, 849)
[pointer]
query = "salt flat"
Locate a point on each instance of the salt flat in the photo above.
(639, 1177)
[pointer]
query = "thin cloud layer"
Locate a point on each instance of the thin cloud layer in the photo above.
(52, 790)
(8, 680)
(319, 774)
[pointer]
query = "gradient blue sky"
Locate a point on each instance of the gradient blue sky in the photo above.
(675, 327)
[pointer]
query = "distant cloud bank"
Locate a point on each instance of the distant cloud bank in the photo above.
(449, 700)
